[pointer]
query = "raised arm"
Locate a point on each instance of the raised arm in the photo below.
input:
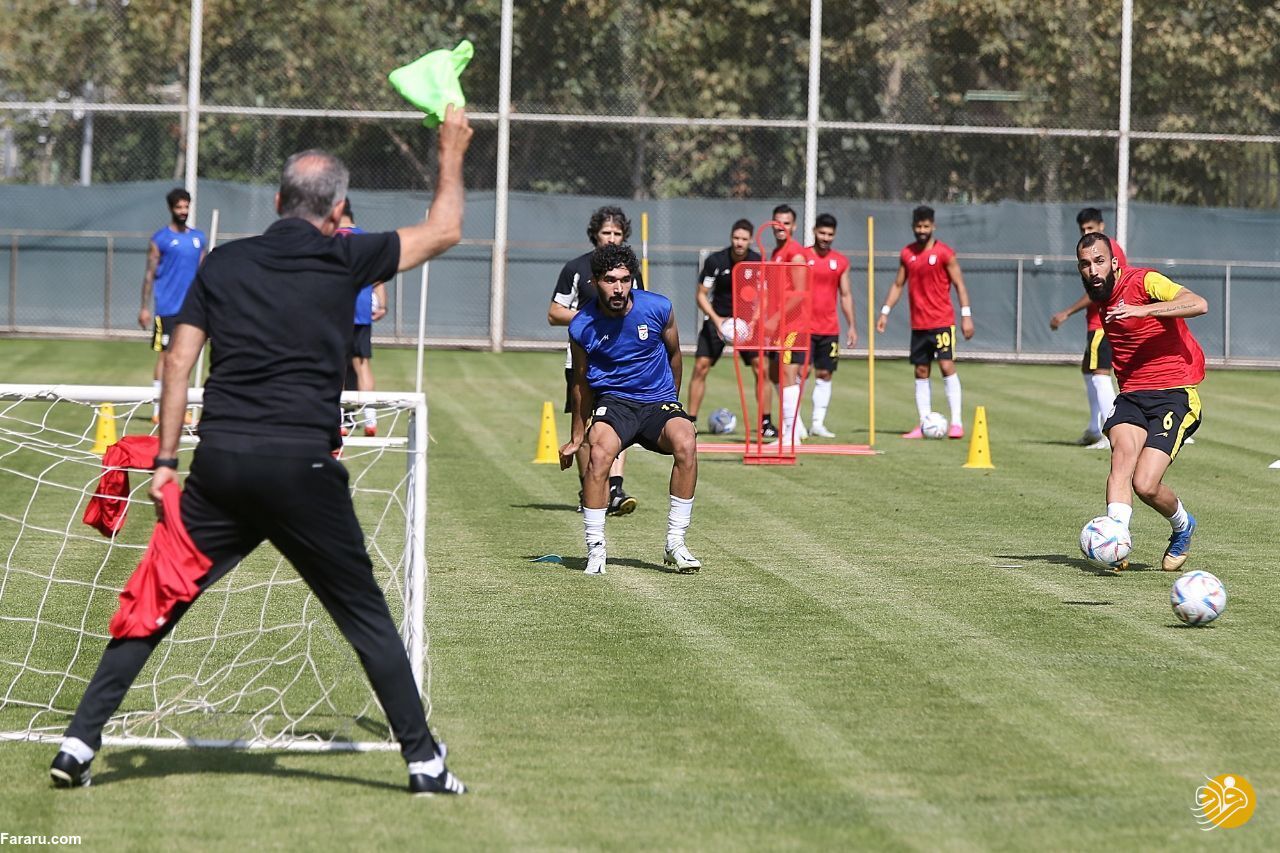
(443, 226)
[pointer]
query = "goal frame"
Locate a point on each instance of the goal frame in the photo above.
(413, 579)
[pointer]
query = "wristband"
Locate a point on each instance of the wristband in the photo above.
(885, 310)
(965, 311)
(165, 462)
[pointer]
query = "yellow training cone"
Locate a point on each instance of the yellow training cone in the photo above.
(979, 447)
(105, 432)
(548, 444)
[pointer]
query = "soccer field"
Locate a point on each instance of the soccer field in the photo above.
(888, 652)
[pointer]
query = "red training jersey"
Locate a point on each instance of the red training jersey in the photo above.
(824, 280)
(1150, 353)
(1093, 313)
(929, 285)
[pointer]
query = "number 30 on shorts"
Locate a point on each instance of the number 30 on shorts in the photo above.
(942, 340)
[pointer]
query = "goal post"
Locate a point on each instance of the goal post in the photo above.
(256, 662)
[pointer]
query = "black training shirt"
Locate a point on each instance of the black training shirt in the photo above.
(277, 310)
(574, 288)
(717, 274)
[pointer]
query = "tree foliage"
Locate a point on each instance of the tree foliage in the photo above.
(1199, 66)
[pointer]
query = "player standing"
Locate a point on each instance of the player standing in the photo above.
(626, 381)
(928, 267)
(1096, 364)
(173, 256)
(829, 281)
(715, 298)
(1158, 364)
(786, 366)
(371, 305)
(264, 469)
(573, 291)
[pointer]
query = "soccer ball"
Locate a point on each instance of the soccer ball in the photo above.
(735, 330)
(933, 425)
(1198, 598)
(722, 422)
(1105, 542)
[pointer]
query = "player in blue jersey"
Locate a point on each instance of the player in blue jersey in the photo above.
(173, 256)
(626, 380)
(371, 305)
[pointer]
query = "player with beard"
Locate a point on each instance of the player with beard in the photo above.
(929, 269)
(831, 285)
(715, 298)
(785, 366)
(608, 226)
(173, 256)
(1158, 364)
(626, 381)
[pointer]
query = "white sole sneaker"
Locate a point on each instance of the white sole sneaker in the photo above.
(682, 558)
(821, 431)
(1101, 444)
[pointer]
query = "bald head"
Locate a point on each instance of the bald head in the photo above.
(311, 183)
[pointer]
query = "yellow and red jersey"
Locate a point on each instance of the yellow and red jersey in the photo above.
(824, 281)
(1150, 353)
(929, 285)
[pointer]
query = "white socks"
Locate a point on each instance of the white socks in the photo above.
(924, 398)
(1179, 518)
(77, 749)
(952, 385)
(678, 521)
(1102, 394)
(790, 406)
(821, 400)
(1122, 512)
(155, 387)
(434, 767)
(593, 525)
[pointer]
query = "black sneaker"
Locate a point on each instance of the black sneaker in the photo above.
(422, 785)
(620, 503)
(769, 430)
(66, 772)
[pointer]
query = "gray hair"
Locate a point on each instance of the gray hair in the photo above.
(311, 183)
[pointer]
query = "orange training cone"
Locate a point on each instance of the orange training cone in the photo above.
(548, 444)
(979, 447)
(105, 430)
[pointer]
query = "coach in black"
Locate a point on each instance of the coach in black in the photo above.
(278, 308)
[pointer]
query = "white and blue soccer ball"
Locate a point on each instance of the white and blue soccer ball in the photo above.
(1106, 543)
(934, 425)
(722, 422)
(1198, 598)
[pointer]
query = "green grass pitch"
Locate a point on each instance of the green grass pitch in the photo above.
(889, 652)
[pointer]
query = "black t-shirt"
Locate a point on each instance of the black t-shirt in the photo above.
(574, 288)
(277, 310)
(717, 274)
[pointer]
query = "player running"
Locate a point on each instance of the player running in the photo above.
(626, 380)
(928, 267)
(829, 281)
(1158, 364)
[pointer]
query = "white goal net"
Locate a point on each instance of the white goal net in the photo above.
(256, 662)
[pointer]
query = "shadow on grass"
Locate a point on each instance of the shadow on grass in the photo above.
(577, 564)
(547, 507)
(1077, 563)
(130, 764)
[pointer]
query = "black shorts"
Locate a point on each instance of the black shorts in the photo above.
(711, 345)
(826, 352)
(635, 423)
(790, 353)
(161, 330)
(933, 345)
(1169, 416)
(1097, 352)
(361, 341)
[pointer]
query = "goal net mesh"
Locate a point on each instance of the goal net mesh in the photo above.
(256, 662)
